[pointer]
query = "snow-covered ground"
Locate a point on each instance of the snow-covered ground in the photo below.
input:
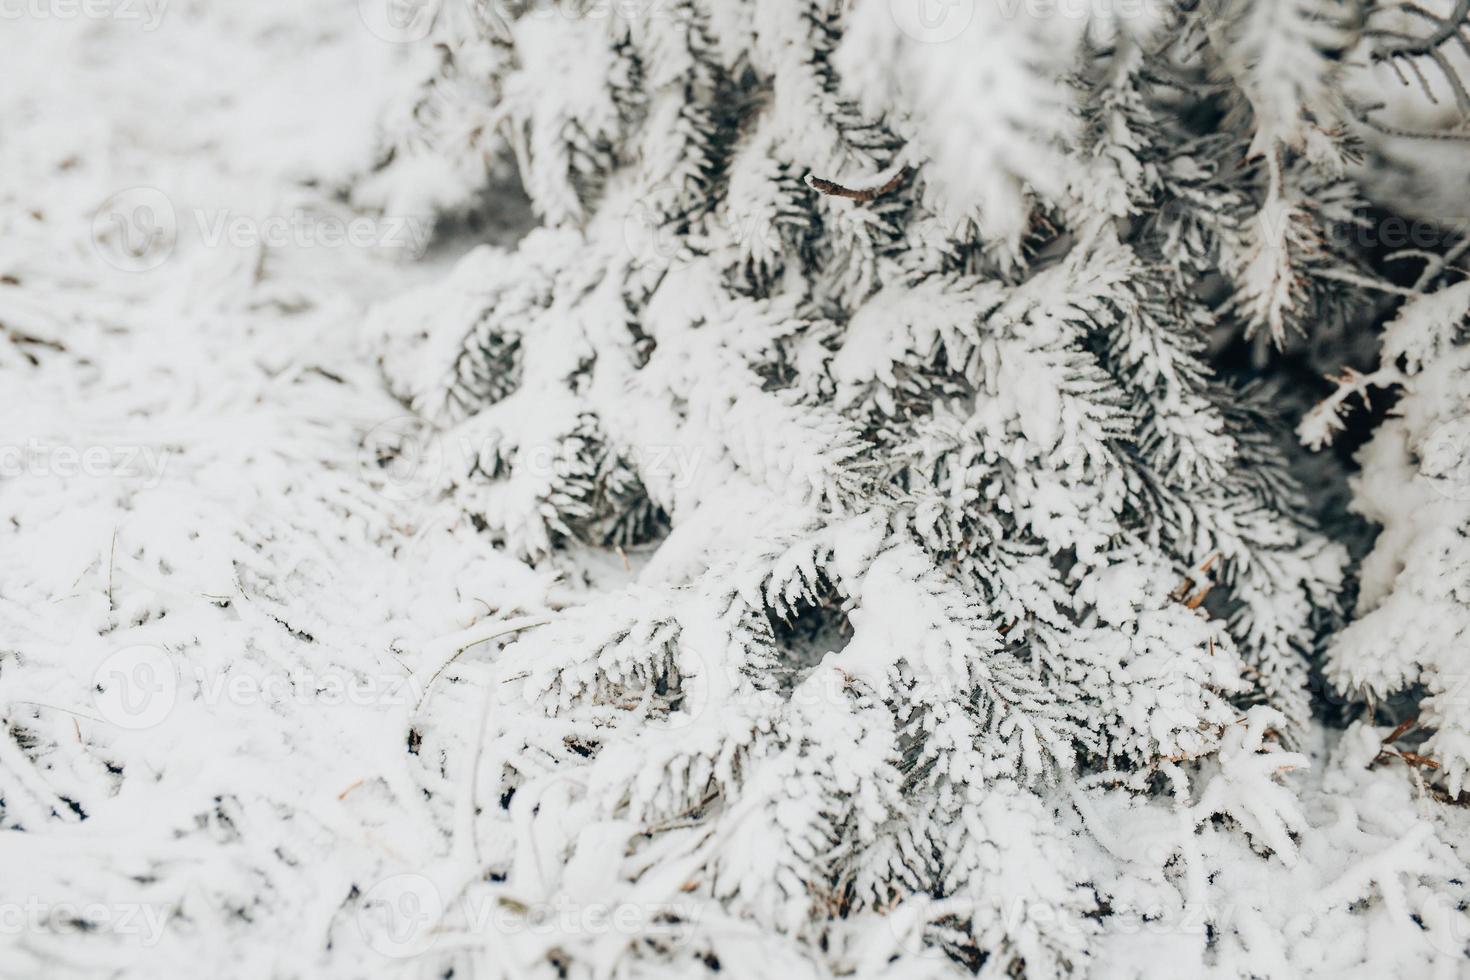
(219, 619)
(229, 634)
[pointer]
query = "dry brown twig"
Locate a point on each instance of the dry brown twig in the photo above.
(860, 194)
(1182, 593)
(1409, 758)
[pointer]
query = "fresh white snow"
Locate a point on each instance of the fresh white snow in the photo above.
(249, 658)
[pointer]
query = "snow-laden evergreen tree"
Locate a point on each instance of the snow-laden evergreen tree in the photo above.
(1402, 657)
(1414, 603)
(880, 347)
